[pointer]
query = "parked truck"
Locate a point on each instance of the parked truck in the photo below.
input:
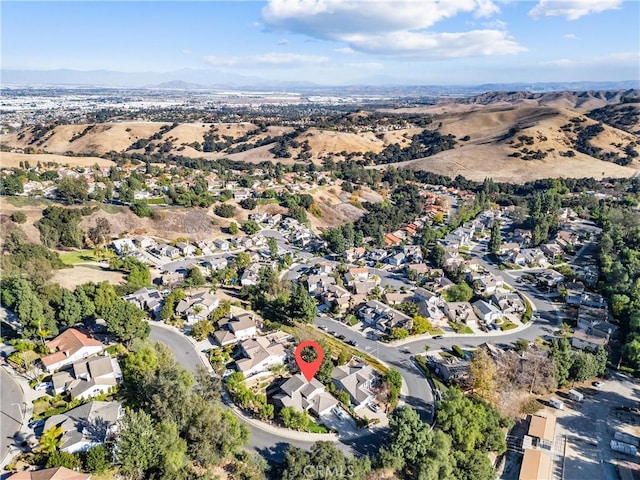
(555, 403)
(623, 448)
(576, 395)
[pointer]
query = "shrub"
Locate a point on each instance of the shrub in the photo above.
(18, 217)
(141, 209)
(225, 210)
(97, 460)
(248, 203)
(457, 351)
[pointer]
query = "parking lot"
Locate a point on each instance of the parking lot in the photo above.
(584, 429)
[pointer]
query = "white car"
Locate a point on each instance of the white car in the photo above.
(43, 386)
(374, 407)
(598, 384)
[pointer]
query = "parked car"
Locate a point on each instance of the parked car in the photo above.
(322, 327)
(353, 343)
(341, 337)
(43, 386)
(332, 332)
(598, 384)
(374, 408)
(438, 337)
(36, 424)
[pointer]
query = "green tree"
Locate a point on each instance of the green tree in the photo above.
(69, 310)
(202, 329)
(126, 322)
(242, 260)
(460, 292)
(225, 210)
(137, 445)
(170, 302)
(195, 278)
(97, 460)
(250, 227)
(172, 450)
(292, 418)
(73, 189)
(562, 359)
(233, 228)
(495, 240)
(302, 307)
(141, 208)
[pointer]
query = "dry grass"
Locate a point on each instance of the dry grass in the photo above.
(10, 160)
(72, 277)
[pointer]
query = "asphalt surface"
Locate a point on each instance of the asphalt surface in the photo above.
(11, 410)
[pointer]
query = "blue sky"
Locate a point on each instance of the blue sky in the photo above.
(333, 41)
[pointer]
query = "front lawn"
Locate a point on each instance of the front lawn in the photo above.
(507, 325)
(315, 428)
(460, 327)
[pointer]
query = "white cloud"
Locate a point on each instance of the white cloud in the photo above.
(570, 36)
(620, 59)
(187, 52)
(284, 41)
(345, 50)
(267, 59)
(572, 9)
(365, 65)
(392, 27)
(437, 45)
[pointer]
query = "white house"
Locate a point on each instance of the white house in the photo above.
(486, 311)
(260, 354)
(302, 395)
(356, 378)
(69, 347)
(186, 249)
(235, 329)
(124, 245)
(87, 426)
(197, 307)
(89, 378)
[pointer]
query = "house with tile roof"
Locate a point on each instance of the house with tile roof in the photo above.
(57, 473)
(235, 329)
(68, 347)
(260, 354)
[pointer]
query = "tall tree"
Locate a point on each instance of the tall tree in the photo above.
(482, 374)
(495, 241)
(137, 445)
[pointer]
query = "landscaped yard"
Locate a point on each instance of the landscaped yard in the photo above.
(460, 327)
(507, 325)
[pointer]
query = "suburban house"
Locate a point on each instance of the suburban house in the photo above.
(69, 347)
(430, 305)
(57, 473)
(172, 279)
(418, 268)
(550, 278)
(87, 426)
(397, 259)
(377, 254)
(356, 275)
(488, 284)
(353, 254)
(541, 434)
(337, 297)
(260, 354)
(215, 263)
(508, 302)
(581, 340)
(364, 287)
(250, 275)
(186, 249)
(356, 378)
(124, 246)
(197, 307)
(450, 368)
(573, 293)
(486, 312)
(221, 244)
(377, 315)
(239, 195)
(461, 312)
(168, 251)
(317, 284)
(88, 378)
(553, 251)
(396, 298)
(235, 329)
(302, 395)
(147, 298)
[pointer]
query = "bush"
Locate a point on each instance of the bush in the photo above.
(457, 351)
(248, 203)
(63, 459)
(225, 210)
(97, 460)
(250, 227)
(18, 217)
(141, 209)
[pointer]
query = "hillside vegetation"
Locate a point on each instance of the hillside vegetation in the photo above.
(510, 136)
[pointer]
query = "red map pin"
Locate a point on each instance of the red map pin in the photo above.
(309, 369)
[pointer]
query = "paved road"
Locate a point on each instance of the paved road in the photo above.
(265, 443)
(11, 404)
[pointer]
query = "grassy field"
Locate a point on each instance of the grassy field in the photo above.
(81, 256)
(27, 201)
